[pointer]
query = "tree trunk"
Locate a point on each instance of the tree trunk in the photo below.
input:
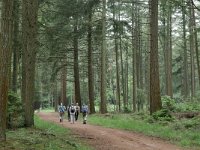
(76, 66)
(126, 78)
(192, 42)
(118, 101)
(155, 98)
(90, 65)
(15, 46)
(196, 43)
(103, 108)
(169, 54)
(134, 63)
(63, 87)
(5, 61)
(185, 61)
(29, 47)
(122, 71)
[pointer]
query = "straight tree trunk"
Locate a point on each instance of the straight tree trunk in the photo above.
(122, 71)
(15, 46)
(103, 108)
(118, 97)
(167, 46)
(169, 54)
(63, 87)
(90, 65)
(196, 44)
(134, 63)
(185, 61)
(5, 61)
(155, 98)
(192, 43)
(116, 60)
(29, 47)
(126, 78)
(76, 66)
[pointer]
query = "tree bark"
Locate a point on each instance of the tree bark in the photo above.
(196, 44)
(185, 60)
(63, 87)
(134, 63)
(103, 108)
(168, 51)
(76, 65)
(15, 45)
(192, 42)
(5, 61)
(90, 65)
(115, 27)
(155, 98)
(29, 47)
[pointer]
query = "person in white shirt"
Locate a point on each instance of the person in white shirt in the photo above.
(72, 111)
(77, 111)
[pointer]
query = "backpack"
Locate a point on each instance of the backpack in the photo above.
(84, 109)
(72, 109)
(61, 109)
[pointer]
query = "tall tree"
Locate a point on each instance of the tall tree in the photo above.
(134, 62)
(196, 41)
(29, 47)
(63, 86)
(76, 65)
(103, 108)
(155, 98)
(185, 61)
(90, 63)
(192, 46)
(15, 45)
(168, 50)
(115, 27)
(5, 61)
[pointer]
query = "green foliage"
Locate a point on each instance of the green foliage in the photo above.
(162, 115)
(185, 133)
(187, 107)
(45, 136)
(193, 123)
(168, 103)
(127, 110)
(15, 111)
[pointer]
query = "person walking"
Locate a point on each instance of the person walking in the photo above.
(68, 112)
(77, 111)
(72, 110)
(61, 110)
(84, 110)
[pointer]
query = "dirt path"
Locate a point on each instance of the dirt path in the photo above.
(111, 139)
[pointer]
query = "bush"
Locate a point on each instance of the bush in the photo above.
(15, 111)
(127, 110)
(162, 115)
(168, 103)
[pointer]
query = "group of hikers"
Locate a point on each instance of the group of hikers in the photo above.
(73, 112)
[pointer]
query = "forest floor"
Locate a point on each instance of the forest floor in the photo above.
(101, 138)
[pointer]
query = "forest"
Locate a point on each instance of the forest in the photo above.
(135, 59)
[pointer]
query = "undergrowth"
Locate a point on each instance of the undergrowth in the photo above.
(44, 136)
(164, 124)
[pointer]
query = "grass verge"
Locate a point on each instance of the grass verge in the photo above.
(188, 138)
(44, 136)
